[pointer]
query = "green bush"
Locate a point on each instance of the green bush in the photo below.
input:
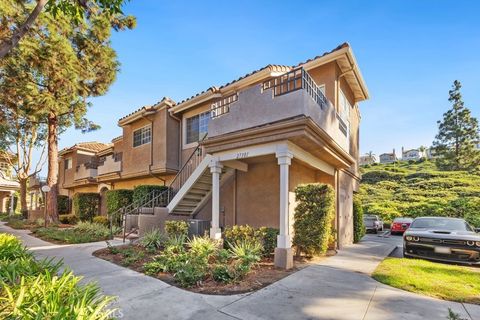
(268, 238)
(153, 239)
(141, 192)
(314, 215)
(358, 226)
(117, 199)
(176, 227)
(81, 233)
(68, 218)
(203, 246)
(101, 220)
(239, 233)
(63, 204)
(86, 205)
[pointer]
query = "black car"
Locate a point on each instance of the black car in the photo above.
(442, 239)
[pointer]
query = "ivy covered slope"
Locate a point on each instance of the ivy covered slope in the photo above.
(413, 189)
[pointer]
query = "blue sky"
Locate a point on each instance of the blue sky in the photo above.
(410, 52)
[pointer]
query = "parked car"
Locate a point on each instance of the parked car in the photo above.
(442, 239)
(373, 223)
(400, 225)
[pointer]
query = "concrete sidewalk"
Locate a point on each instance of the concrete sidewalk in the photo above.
(338, 287)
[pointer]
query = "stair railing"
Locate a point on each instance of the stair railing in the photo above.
(186, 171)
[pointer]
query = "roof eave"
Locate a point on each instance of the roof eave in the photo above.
(209, 95)
(333, 56)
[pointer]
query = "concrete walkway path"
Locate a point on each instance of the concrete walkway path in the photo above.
(338, 287)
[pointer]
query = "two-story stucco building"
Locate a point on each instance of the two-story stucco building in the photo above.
(233, 154)
(8, 186)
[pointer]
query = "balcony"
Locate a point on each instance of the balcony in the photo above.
(87, 170)
(36, 182)
(288, 96)
(110, 164)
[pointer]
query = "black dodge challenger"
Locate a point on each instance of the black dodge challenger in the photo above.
(442, 239)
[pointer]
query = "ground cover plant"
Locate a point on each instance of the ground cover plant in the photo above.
(31, 289)
(443, 281)
(412, 189)
(81, 233)
(239, 264)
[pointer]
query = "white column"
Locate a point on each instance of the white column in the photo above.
(12, 202)
(216, 170)
(284, 160)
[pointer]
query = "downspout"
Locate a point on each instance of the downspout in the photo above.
(144, 116)
(181, 138)
(337, 205)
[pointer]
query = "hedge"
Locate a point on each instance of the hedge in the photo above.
(86, 205)
(117, 199)
(314, 216)
(358, 226)
(141, 192)
(63, 204)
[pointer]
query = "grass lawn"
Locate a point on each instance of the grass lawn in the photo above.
(443, 281)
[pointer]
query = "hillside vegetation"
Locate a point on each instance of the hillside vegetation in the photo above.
(413, 189)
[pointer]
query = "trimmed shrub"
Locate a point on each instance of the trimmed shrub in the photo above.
(176, 228)
(240, 233)
(86, 205)
(68, 218)
(101, 220)
(141, 192)
(63, 204)
(117, 199)
(268, 239)
(358, 226)
(314, 215)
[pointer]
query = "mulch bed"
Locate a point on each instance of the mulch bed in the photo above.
(262, 275)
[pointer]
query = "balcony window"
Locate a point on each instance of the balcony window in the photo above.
(197, 127)
(142, 136)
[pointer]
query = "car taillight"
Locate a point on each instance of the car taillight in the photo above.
(470, 243)
(477, 243)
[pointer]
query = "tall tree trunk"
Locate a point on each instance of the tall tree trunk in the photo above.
(52, 176)
(8, 44)
(23, 196)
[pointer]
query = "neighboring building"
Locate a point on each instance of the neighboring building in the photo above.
(234, 154)
(430, 153)
(412, 154)
(388, 157)
(8, 186)
(367, 159)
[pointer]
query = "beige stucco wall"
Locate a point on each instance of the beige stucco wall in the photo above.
(346, 186)
(161, 153)
(256, 200)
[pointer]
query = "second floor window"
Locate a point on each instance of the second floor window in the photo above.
(197, 127)
(67, 163)
(142, 136)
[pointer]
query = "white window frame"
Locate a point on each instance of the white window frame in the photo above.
(142, 137)
(184, 131)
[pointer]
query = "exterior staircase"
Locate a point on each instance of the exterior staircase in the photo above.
(196, 191)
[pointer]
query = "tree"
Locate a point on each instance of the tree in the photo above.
(59, 66)
(455, 143)
(19, 26)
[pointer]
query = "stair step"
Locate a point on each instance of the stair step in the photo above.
(197, 192)
(189, 202)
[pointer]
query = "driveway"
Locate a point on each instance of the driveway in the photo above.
(338, 287)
